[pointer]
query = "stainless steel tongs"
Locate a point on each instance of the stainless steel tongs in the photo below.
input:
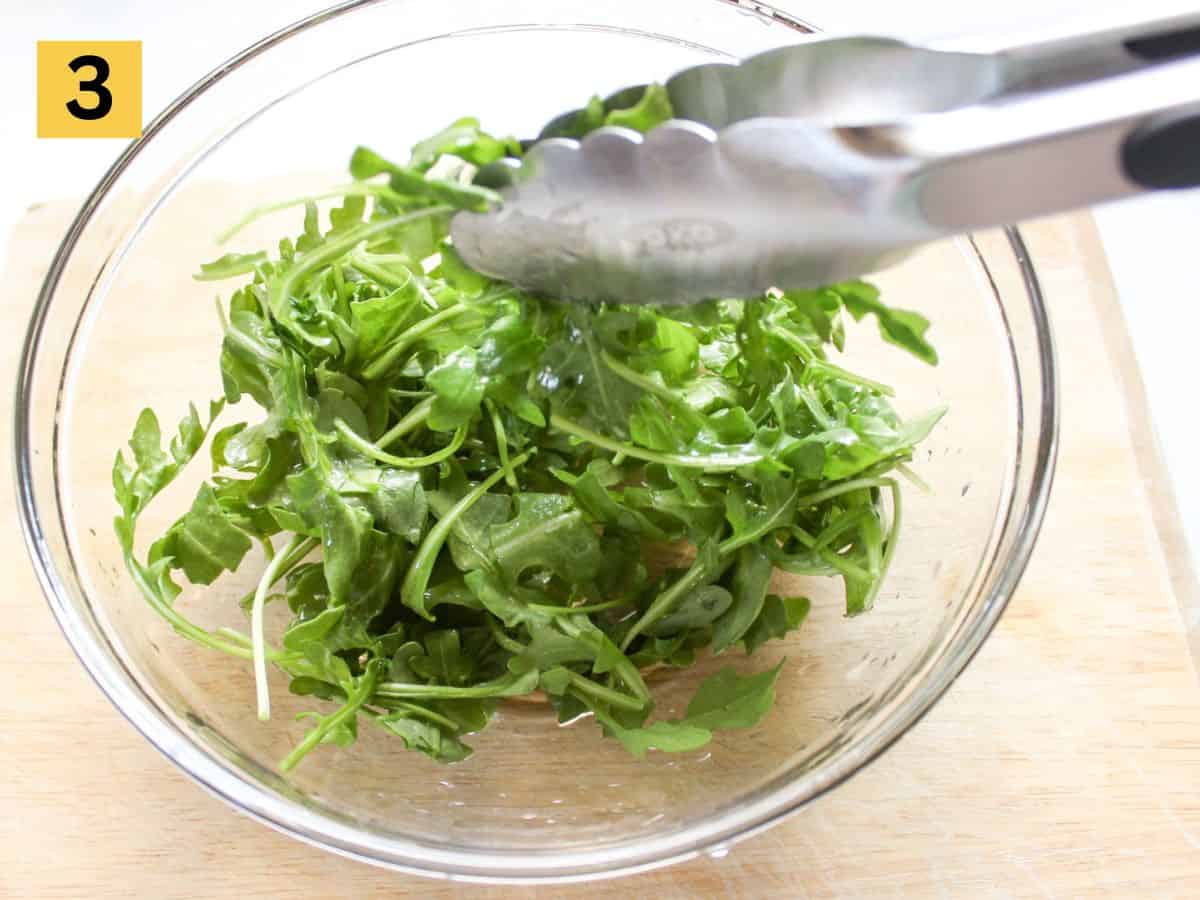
(837, 157)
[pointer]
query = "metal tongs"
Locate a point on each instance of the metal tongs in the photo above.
(837, 157)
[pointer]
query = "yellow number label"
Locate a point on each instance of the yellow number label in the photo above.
(89, 89)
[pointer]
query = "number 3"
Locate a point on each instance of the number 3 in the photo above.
(104, 100)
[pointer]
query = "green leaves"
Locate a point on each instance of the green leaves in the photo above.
(230, 266)
(639, 108)
(341, 525)
(679, 350)
(447, 665)
(465, 139)
(153, 467)
(547, 533)
(725, 700)
(652, 109)
(778, 616)
(413, 182)
(465, 492)
(458, 391)
(670, 737)
(901, 327)
(205, 542)
(729, 700)
(399, 504)
(695, 609)
(573, 377)
(751, 576)
(378, 321)
(424, 737)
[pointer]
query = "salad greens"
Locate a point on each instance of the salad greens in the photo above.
(460, 490)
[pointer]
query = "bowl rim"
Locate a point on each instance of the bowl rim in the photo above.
(410, 856)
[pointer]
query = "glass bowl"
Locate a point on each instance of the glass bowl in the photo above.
(121, 325)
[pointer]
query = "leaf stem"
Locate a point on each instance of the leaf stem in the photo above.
(412, 420)
(889, 550)
(174, 618)
(666, 601)
(600, 692)
(276, 656)
(352, 439)
(814, 362)
(355, 189)
(548, 610)
(258, 639)
(510, 477)
(637, 379)
(417, 711)
(354, 701)
(777, 519)
(290, 562)
(711, 461)
(505, 686)
(839, 526)
(512, 645)
(837, 490)
(416, 580)
(622, 666)
(246, 342)
(920, 483)
(366, 266)
(847, 568)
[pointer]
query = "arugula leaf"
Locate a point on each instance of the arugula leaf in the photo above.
(723, 700)
(341, 526)
(665, 735)
(779, 616)
(469, 540)
(457, 274)
(550, 648)
(751, 576)
(366, 163)
(609, 507)
(153, 468)
(465, 139)
(336, 726)
(230, 266)
(378, 321)
(901, 327)
(679, 351)
(399, 504)
(443, 661)
(696, 609)
(574, 379)
(509, 605)
(305, 631)
(205, 542)
(458, 391)
(424, 737)
(548, 532)
(729, 700)
(652, 109)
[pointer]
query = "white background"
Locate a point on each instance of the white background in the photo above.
(1153, 243)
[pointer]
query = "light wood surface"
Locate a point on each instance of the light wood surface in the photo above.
(1064, 763)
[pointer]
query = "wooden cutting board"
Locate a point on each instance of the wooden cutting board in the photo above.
(1064, 763)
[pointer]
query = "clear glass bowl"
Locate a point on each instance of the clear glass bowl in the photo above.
(121, 325)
